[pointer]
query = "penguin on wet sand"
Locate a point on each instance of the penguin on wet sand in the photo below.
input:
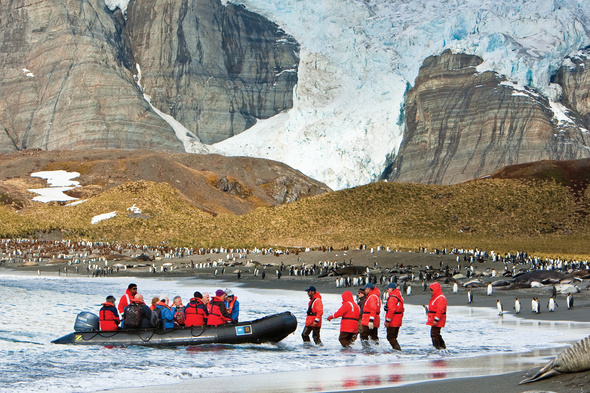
(469, 296)
(455, 288)
(490, 289)
(499, 307)
(551, 304)
(569, 301)
(535, 305)
(409, 290)
(516, 306)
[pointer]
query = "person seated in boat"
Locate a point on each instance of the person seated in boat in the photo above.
(196, 311)
(127, 297)
(137, 314)
(166, 313)
(147, 317)
(232, 305)
(155, 300)
(108, 315)
(179, 317)
(206, 298)
(218, 314)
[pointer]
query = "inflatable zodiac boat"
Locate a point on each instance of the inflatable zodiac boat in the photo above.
(271, 329)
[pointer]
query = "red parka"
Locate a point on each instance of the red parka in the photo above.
(372, 309)
(437, 307)
(218, 314)
(315, 310)
(109, 317)
(125, 301)
(350, 313)
(395, 308)
(196, 313)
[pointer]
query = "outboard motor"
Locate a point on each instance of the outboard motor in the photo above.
(86, 322)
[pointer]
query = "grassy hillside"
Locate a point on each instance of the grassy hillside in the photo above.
(544, 217)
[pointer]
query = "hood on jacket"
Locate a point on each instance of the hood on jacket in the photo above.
(316, 296)
(347, 297)
(436, 289)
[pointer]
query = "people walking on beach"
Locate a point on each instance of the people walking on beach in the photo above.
(232, 305)
(108, 315)
(313, 321)
(437, 315)
(370, 319)
(350, 312)
(127, 297)
(218, 314)
(196, 311)
(394, 314)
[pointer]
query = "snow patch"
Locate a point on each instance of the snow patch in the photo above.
(59, 182)
(104, 216)
(114, 4)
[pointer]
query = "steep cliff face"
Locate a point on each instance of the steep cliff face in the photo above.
(65, 84)
(574, 79)
(462, 124)
(214, 68)
(70, 76)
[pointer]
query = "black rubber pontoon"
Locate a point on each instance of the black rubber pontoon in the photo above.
(273, 329)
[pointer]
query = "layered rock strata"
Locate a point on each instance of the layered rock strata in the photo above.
(462, 124)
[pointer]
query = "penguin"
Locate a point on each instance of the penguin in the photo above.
(538, 304)
(469, 296)
(493, 272)
(490, 290)
(425, 309)
(424, 286)
(455, 288)
(551, 305)
(569, 301)
(409, 290)
(499, 307)
(534, 304)
(516, 306)
(554, 292)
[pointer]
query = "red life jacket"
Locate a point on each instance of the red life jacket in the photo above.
(230, 305)
(372, 309)
(125, 301)
(437, 307)
(109, 319)
(315, 310)
(217, 313)
(196, 313)
(350, 312)
(395, 308)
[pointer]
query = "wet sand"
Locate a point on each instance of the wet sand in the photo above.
(366, 379)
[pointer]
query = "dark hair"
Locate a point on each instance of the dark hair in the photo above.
(198, 295)
(111, 299)
(131, 286)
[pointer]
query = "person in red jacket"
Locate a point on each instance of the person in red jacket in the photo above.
(127, 297)
(437, 315)
(349, 326)
(196, 311)
(313, 321)
(218, 314)
(108, 315)
(394, 313)
(370, 319)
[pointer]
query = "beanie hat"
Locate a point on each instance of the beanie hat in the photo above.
(219, 292)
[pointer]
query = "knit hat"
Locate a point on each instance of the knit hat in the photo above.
(219, 292)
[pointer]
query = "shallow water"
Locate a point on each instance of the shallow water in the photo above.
(38, 309)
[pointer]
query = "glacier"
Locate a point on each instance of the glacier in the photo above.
(359, 57)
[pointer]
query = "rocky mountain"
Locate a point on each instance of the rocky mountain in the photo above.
(77, 75)
(210, 183)
(462, 122)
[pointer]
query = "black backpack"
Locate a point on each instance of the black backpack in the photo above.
(156, 318)
(134, 315)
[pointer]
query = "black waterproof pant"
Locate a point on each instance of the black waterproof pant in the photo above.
(316, 334)
(347, 338)
(437, 339)
(392, 333)
(367, 333)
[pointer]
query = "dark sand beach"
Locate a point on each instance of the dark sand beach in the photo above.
(385, 261)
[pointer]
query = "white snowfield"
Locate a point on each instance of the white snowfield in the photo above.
(358, 57)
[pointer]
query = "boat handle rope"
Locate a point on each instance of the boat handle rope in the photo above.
(149, 338)
(193, 330)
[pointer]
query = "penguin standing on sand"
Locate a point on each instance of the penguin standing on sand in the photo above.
(554, 292)
(535, 305)
(469, 296)
(455, 288)
(551, 305)
(499, 307)
(516, 306)
(569, 301)
(409, 290)
(424, 286)
(490, 290)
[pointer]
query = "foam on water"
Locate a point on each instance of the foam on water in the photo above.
(37, 310)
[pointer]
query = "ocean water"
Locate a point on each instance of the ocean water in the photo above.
(38, 309)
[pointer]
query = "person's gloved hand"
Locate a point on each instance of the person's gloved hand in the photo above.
(371, 325)
(330, 318)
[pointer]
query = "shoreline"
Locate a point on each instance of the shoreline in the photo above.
(385, 260)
